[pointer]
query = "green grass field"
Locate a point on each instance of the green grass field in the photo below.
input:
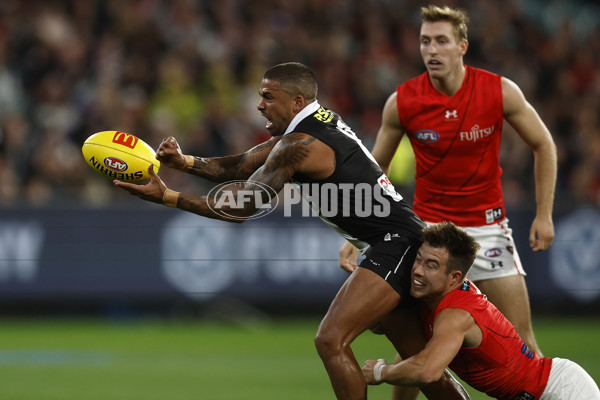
(157, 360)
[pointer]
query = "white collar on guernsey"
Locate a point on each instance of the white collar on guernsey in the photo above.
(309, 109)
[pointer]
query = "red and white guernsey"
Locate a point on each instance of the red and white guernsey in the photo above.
(456, 141)
(502, 366)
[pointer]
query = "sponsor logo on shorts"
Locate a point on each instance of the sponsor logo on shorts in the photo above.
(115, 164)
(427, 136)
(495, 252)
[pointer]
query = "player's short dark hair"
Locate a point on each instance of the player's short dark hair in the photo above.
(456, 16)
(295, 78)
(462, 248)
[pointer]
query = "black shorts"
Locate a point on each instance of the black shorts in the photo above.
(393, 260)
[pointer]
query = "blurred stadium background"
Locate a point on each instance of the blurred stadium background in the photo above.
(94, 282)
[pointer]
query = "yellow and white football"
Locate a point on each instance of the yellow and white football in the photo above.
(119, 155)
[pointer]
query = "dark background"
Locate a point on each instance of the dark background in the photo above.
(71, 243)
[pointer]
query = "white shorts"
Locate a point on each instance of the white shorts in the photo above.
(568, 381)
(497, 257)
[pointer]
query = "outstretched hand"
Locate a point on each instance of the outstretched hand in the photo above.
(153, 190)
(348, 256)
(169, 153)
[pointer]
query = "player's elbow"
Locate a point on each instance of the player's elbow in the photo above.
(429, 375)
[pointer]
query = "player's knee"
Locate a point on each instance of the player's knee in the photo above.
(328, 343)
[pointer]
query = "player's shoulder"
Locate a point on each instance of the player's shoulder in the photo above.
(414, 88)
(478, 77)
(413, 83)
(296, 139)
(461, 296)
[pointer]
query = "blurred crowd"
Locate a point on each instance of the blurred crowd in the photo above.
(192, 68)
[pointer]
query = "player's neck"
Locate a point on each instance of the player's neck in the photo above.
(451, 83)
(433, 301)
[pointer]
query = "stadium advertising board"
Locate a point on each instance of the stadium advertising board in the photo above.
(143, 255)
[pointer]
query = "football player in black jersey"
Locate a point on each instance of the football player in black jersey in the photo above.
(311, 144)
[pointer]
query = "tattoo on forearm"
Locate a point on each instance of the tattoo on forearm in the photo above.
(281, 165)
(241, 166)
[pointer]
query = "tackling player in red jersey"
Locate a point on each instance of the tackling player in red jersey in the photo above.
(468, 333)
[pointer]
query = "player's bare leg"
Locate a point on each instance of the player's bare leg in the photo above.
(404, 392)
(509, 295)
(403, 328)
(361, 302)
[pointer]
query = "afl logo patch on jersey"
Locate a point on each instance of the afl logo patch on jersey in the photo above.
(427, 136)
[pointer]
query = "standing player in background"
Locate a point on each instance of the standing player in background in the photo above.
(453, 115)
(312, 145)
(471, 336)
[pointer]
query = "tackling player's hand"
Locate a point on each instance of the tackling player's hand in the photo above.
(541, 234)
(153, 190)
(348, 256)
(369, 372)
(169, 153)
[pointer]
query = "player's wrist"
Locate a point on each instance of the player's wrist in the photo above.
(188, 162)
(378, 370)
(170, 198)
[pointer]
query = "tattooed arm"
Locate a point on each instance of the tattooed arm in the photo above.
(216, 169)
(294, 153)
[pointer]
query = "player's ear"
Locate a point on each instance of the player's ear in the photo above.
(464, 45)
(299, 103)
(456, 276)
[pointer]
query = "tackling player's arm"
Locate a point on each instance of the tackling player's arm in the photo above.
(452, 328)
(389, 135)
(528, 124)
(388, 138)
(216, 169)
(297, 152)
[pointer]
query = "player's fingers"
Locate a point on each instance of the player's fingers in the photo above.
(347, 257)
(166, 145)
(533, 238)
(169, 142)
(122, 184)
(369, 363)
(151, 171)
(346, 252)
(543, 243)
(348, 266)
(540, 240)
(129, 187)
